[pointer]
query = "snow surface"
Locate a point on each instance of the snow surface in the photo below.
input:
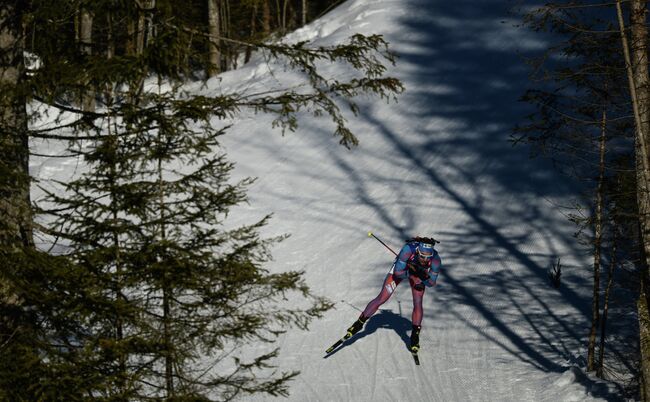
(436, 163)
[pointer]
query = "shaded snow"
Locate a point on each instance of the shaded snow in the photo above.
(436, 163)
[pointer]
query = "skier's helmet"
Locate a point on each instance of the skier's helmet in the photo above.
(424, 252)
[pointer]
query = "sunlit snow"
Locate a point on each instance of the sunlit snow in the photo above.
(437, 163)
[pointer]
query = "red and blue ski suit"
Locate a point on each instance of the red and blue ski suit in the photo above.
(405, 267)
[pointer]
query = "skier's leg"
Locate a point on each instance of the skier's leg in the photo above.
(416, 318)
(387, 289)
(386, 292)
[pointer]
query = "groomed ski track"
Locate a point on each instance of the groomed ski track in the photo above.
(437, 163)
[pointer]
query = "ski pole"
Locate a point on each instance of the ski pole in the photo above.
(370, 234)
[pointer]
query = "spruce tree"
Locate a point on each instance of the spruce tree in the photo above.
(155, 290)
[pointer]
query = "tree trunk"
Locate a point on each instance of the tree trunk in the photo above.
(214, 27)
(86, 48)
(285, 6)
(644, 342)
(15, 208)
(304, 12)
(16, 330)
(598, 232)
(110, 40)
(130, 45)
(228, 54)
(166, 291)
(637, 66)
(85, 32)
(603, 322)
(118, 287)
(140, 33)
(266, 18)
(144, 31)
(638, 14)
(249, 49)
(278, 15)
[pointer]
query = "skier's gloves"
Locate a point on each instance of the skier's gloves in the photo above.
(418, 271)
(423, 275)
(412, 268)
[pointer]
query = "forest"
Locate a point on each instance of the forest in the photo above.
(125, 284)
(129, 283)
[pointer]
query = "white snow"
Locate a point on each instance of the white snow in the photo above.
(436, 163)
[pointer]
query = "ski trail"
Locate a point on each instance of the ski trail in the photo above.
(439, 163)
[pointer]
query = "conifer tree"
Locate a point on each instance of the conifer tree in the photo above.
(17, 350)
(153, 290)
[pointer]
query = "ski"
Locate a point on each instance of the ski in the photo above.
(413, 350)
(338, 343)
(416, 359)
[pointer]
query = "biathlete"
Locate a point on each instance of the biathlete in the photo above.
(418, 262)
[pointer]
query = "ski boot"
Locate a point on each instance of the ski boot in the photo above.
(415, 338)
(356, 327)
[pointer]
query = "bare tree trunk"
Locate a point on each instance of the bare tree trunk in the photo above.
(285, 5)
(598, 231)
(638, 18)
(86, 48)
(603, 322)
(278, 15)
(249, 49)
(130, 44)
(214, 53)
(229, 53)
(110, 48)
(266, 18)
(85, 31)
(304, 12)
(139, 36)
(141, 29)
(644, 326)
(638, 77)
(166, 291)
(144, 30)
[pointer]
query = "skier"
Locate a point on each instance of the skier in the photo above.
(418, 262)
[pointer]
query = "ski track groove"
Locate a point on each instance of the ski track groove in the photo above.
(376, 367)
(425, 163)
(457, 180)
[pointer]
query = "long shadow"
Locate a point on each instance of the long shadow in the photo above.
(385, 319)
(490, 236)
(457, 46)
(463, 79)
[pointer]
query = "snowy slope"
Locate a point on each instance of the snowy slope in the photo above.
(436, 163)
(439, 163)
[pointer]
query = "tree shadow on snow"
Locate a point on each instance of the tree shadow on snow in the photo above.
(465, 74)
(462, 66)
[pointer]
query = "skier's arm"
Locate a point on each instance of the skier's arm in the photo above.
(434, 270)
(400, 271)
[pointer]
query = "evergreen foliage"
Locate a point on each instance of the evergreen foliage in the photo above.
(154, 294)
